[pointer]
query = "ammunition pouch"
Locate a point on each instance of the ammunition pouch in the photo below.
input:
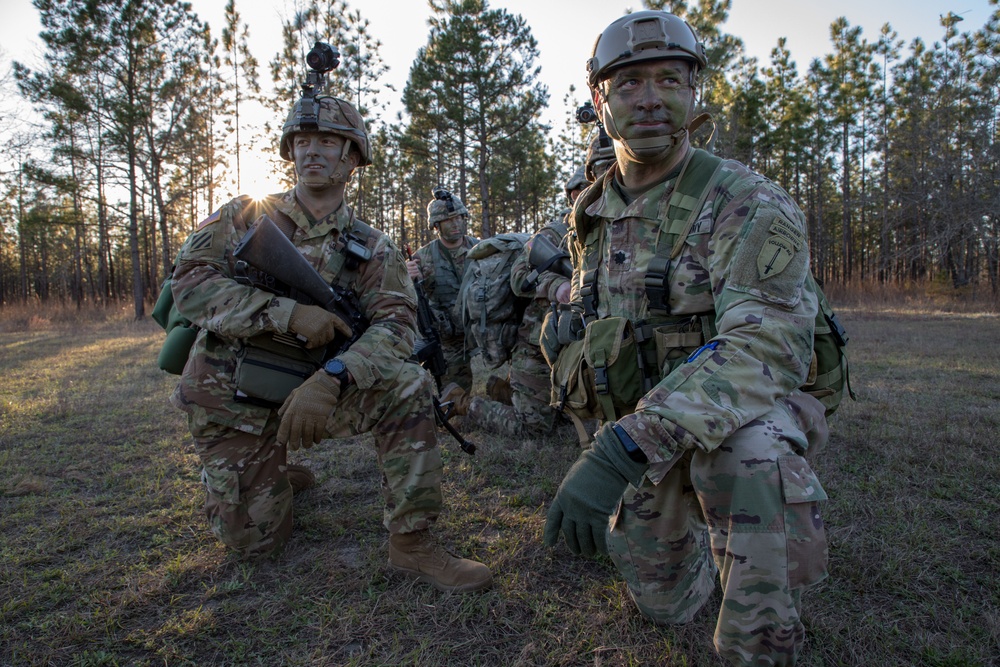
(668, 344)
(269, 367)
(612, 352)
(616, 363)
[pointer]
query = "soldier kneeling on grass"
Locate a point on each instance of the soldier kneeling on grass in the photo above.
(699, 470)
(368, 387)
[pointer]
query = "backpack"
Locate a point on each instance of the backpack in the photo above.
(487, 306)
(828, 376)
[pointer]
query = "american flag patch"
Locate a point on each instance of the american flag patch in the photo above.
(210, 219)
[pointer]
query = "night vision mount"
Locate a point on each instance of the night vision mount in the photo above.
(321, 59)
(443, 195)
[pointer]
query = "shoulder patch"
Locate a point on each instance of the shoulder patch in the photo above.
(201, 239)
(771, 258)
(787, 231)
(775, 254)
(210, 219)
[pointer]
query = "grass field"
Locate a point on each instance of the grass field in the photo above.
(105, 557)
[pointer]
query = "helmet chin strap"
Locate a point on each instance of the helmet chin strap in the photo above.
(340, 176)
(661, 142)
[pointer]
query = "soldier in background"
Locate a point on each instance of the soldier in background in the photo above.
(441, 265)
(600, 156)
(705, 473)
(370, 387)
(519, 404)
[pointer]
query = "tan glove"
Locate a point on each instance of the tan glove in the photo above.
(305, 411)
(317, 325)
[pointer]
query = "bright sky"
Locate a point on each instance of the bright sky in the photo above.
(565, 30)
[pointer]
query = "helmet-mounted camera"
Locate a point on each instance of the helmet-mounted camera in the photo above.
(586, 114)
(321, 59)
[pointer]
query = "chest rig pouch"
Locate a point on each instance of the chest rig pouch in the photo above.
(270, 366)
(616, 361)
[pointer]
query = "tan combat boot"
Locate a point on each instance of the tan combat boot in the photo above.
(499, 389)
(300, 477)
(419, 556)
(459, 399)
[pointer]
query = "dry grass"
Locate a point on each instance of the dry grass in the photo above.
(105, 557)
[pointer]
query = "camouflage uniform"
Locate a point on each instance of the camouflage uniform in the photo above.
(727, 488)
(529, 372)
(249, 500)
(442, 270)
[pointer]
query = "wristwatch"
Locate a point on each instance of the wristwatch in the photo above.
(337, 369)
(629, 445)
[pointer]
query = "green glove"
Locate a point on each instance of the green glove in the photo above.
(589, 493)
(317, 325)
(305, 411)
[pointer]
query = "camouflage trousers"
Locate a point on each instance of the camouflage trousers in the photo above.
(459, 366)
(529, 412)
(748, 510)
(249, 499)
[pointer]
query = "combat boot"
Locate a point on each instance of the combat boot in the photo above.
(419, 556)
(300, 477)
(499, 390)
(459, 399)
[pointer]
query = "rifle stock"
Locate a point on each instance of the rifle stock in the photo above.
(545, 256)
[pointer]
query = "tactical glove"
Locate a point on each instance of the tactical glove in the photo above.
(317, 325)
(590, 492)
(305, 411)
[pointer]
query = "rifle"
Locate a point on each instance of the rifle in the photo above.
(429, 353)
(545, 256)
(267, 259)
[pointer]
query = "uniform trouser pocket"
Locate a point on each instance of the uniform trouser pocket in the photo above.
(762, 502)
(805, 534)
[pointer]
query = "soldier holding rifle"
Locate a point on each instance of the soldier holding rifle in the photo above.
(252, 339)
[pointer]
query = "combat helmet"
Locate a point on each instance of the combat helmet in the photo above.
(444, 206)
(645, 35)
(636, 38)
(600, 155)
(578, 181)
(333, 115)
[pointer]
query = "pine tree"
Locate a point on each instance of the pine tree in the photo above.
(473, 89)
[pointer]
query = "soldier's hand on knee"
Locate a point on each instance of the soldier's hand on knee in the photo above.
(589, 493)
(305, 411)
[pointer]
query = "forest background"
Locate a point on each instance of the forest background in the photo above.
(890, 148)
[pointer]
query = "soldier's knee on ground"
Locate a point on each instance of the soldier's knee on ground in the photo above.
(252, 542)
(253, 525)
